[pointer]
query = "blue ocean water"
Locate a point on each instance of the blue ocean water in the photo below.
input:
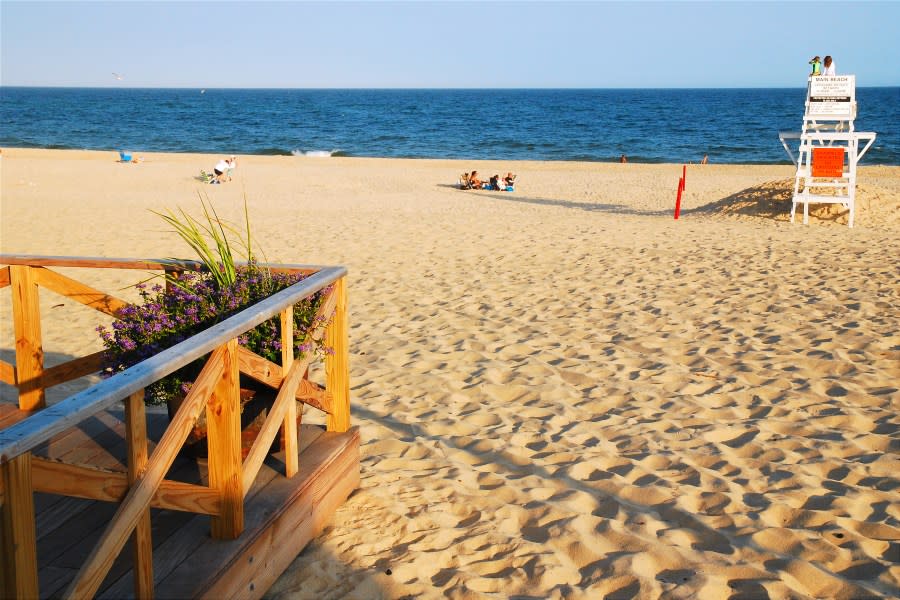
(647, 125)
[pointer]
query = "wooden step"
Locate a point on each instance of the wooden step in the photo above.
(806, 174)
(819, 199)
(827, 184)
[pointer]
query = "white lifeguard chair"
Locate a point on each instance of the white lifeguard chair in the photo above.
(829, 146)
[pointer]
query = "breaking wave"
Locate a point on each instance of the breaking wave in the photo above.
(318, 153)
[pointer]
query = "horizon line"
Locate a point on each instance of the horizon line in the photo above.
(399, 88)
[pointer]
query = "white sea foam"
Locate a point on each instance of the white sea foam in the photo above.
(325, 153)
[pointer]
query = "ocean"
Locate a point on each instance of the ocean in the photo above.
(647, 125)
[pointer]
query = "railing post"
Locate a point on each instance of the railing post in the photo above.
(27, 325)
(169, 275)
(337, 364)
(223, 422)
(142, 541)
(18, 548)
(289, 428)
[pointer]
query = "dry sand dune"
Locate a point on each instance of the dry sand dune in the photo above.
(563, 393)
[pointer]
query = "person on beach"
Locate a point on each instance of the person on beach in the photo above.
(829, 67)
(224, 168)
(495, 183)
(510, 181)
(623, 159)
(474, 181)
(816, 66)
(705, 160)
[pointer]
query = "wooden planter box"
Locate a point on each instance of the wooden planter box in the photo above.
(256, 404)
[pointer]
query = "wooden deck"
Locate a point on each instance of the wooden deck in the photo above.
(96, 472)
(281, 515)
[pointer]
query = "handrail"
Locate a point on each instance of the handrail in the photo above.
(29, 433)
(131, 263)
(825, 136)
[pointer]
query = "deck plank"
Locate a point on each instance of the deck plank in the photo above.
(76, 536)
(304, 514)
(52, 510)
(10, 414)
(75, 445)
(224, 567)
(52, 579)
(188, 532)
(68, 528)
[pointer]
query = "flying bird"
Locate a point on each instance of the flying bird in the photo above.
(118, 77)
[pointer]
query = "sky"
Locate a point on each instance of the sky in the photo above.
(451, 44)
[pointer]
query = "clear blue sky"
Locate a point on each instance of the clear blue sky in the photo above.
(443, 44)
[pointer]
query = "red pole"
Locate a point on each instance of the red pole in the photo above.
(678, 199)
(683, 176)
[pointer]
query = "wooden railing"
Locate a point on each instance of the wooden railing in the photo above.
(216, 391)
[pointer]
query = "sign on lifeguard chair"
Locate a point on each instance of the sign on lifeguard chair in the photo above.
(831, 98)
(829, 146)
(828, 162)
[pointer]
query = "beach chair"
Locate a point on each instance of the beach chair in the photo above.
(464, 182)
(207, 177)
(124, 156)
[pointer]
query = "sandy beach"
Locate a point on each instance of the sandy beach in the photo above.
(562, 392)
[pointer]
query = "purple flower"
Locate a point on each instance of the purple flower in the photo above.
(166, 317)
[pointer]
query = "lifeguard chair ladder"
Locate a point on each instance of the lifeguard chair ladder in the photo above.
(828, 118)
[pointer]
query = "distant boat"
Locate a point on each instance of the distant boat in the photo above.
(202, 91)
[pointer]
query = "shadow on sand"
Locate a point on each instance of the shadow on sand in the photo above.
(770, 200)
(611, 505)
(585, 206)
(767, 201)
